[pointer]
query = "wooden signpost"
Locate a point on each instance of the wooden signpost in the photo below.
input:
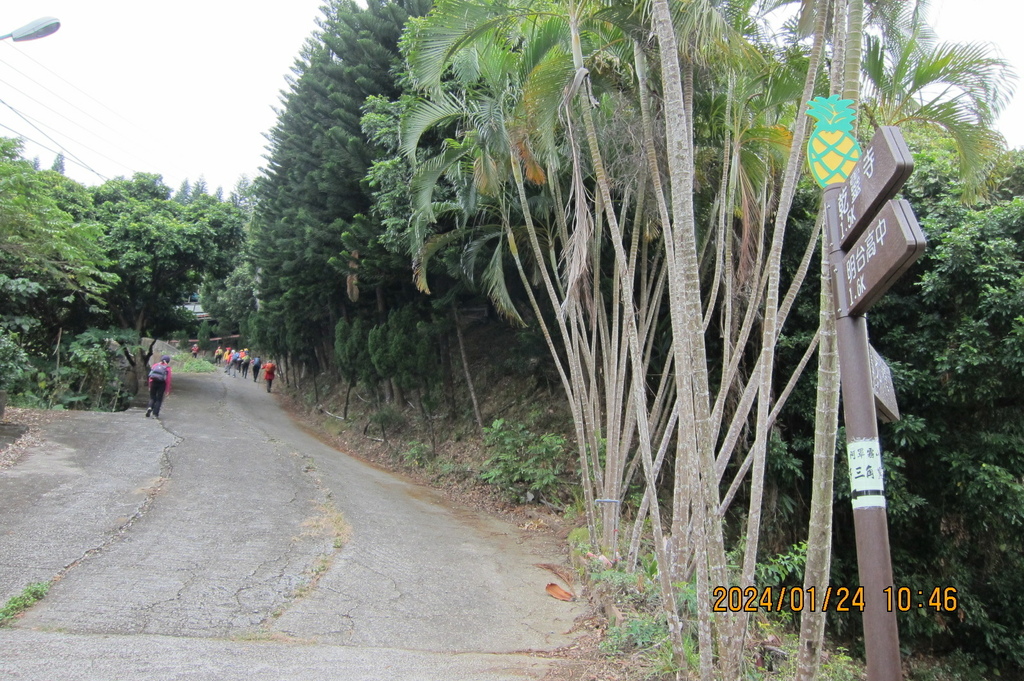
(872, 242)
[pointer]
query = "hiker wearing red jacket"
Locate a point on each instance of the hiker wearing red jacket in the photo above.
(269, 371)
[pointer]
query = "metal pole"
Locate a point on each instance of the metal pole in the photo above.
(864, 456)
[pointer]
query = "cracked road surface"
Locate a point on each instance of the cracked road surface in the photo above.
(209, 545)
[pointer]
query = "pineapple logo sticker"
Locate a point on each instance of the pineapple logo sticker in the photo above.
(832, 151)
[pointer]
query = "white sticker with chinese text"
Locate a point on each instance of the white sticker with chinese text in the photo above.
(867, 489)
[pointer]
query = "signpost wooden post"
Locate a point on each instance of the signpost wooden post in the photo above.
(872, 241)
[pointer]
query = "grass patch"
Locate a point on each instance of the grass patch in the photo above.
(187, 364)
(329, 522)
(32, 594)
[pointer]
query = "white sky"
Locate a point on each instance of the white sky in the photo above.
(186, 89)
(997, 22)
(182, 89)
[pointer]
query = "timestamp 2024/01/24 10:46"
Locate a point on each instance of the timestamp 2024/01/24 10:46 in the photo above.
(830, 599)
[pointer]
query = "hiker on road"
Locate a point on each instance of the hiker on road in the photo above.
(159, 385)
(269, 370)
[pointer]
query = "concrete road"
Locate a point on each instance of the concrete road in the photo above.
(224, 542)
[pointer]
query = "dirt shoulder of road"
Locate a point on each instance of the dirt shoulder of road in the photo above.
(460, 485)
(33, 420)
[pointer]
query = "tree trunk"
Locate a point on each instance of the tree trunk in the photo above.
(769, 337)
(445, 350)
(465, 370)
(348, 393)
(819, 531)
(817, 570)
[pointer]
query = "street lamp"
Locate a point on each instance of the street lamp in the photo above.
(40, 28)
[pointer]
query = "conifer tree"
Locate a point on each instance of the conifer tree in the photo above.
(184, 193)
(312, 190)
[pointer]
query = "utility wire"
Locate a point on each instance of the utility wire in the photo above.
(60, 77)
(85, 113)
(74, 141)
(43, 146)
(59, 146)
(76, 124)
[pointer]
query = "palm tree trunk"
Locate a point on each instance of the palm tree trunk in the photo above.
(694, 471)
(629, 318)
(465, 370)
(769, 337)
(819, 531)
(853, 49)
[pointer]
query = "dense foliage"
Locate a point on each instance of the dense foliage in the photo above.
(956, 336)
(85, 273)
(950, 332)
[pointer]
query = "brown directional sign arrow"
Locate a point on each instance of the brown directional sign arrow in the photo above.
(881, 171)
(882, 387)
(890, 244)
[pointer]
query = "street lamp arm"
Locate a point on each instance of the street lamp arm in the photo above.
(40, 28)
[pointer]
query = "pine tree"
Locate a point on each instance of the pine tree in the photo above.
(312, 191)
(184, 193)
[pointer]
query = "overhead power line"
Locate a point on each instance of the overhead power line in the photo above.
(53, 141)
(82, 114)
(74, 123)
(43, 146)
(72, 85)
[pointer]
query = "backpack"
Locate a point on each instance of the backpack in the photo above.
(158, 372)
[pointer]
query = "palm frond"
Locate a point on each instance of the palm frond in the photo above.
(470, 257)
(497, 288)
(423, 184)
(426, 114)
(427, 251)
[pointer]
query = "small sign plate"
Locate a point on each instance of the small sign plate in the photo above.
(867, 486)
(882, 170)
(891, 244)
(882, 387)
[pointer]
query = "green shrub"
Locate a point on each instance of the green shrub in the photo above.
(23, 601)
(785, 568)
(187, 364)
(418, 454)
(84, 373)
(13, 361)
(524, 465)
(636, 632)
(387, 418)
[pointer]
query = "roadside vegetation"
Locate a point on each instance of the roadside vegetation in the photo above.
(186, 363)
(32, 594)
(567, 253)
